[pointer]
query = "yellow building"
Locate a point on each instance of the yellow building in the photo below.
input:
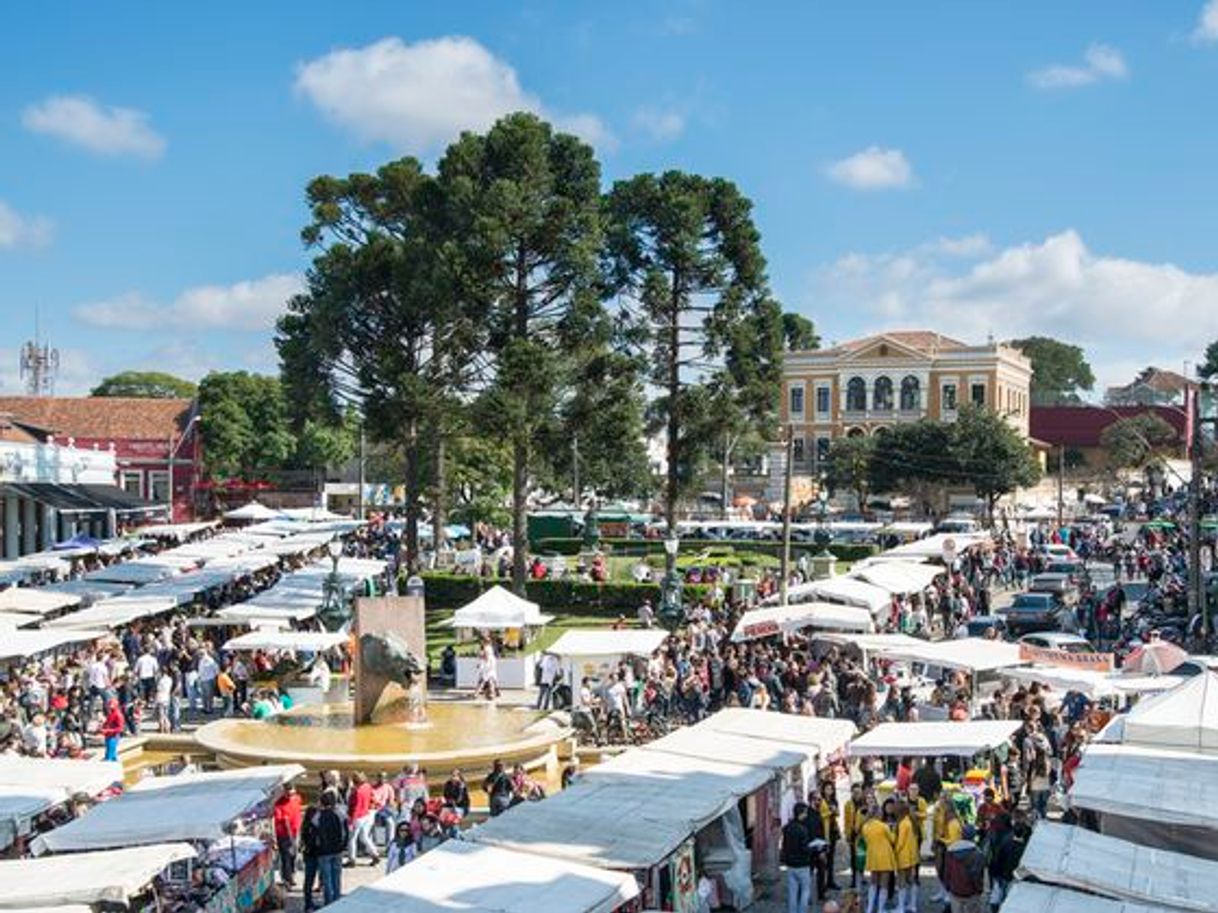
(861, 386)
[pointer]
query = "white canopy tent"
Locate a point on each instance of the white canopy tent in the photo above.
(1029, 897)
(472, 878)
(1074, 857)
(307, 641)
(898, 577)
(844, 590)
(933, 739)
(255, 612)
(498, 609)
(116, 612)
(112, 877)
(787, 619)
(254, 510)
(21, 643)
(1064, 679)
(975, 654)
(932, 547)
(17, 620)
(592, 642)
(1185, 717)
(1167, 799)
(35, 601)
(167, 809)
(179, 532)
(20, 805)
(70, 776)
(819, 737)
(706, 744)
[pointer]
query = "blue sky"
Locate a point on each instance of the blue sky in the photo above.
(975, 168)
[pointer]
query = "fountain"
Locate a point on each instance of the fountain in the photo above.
(390, 722)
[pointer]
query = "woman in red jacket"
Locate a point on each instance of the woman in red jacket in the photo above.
(113, 727)
(286, 815)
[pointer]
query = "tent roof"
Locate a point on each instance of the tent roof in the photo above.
(933, 738)
(1064, 679)
(734, 749)
(1029, 897)
(71, 776)
(164, 809)
(472, 878)
(839, 589)
(1184, 717)
(19, 805)
(310, 641)
(1077, 858)
(593, 642)
(254, 510)
(31, 601)
(932, 546)
(114, 876)
(1167, 787)
(790, 618)
(825, 736)
(16, 642)
(116, 612)
(497, 609)
(975, 653)
(898, 576)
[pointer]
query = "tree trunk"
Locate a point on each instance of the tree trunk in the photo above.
(673, 445)
(520, 538)
(410, 540)
(439, 512)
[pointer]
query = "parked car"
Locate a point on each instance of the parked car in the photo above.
(1058, 640)
(978, 625)
(1029, 612)
(1058, 585)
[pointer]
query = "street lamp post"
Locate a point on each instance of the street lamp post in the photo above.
(785, 569)
(333, 607)
(671, 613)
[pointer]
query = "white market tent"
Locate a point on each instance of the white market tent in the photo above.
(899, 577)
(498, 609)
(629, 813)
(787, 619)
(87, 590)
(1167, 799)
(820, 737)
(71, 776)
(845, 590)
(592, 642)
(471, 878)
(32, 601)
(254, 510)
(933, 739)
(1073, 857)
(136, 573)
(932, 546)
(1029, 897)
(20, 805)
(179, 532)
(1185, 717)
(705, 744)
(256, 612)
(1064, 679)
(114, 613)
(167, 809)
(17, 620)
(307, 641)
(22, 643)
(112, 877)
(972, 653)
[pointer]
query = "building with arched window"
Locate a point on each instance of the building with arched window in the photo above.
(860, 386)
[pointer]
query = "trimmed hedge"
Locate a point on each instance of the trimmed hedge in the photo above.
(629, 547)
(451, 591)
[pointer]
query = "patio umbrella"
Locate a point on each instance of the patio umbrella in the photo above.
(1155, 658)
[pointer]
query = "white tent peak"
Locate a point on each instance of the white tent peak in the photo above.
(1184, 717)
(254, 510)
(498, 608)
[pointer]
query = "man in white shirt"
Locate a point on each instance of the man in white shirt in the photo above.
(146, 669)
(99, 680)
(647, 615)
(209, 670)
(615, 705)
(550, 669)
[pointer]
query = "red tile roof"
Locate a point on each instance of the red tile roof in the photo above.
(101, 417)
(921, 340)
(1081, 426)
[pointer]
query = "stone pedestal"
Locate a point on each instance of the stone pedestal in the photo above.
(399, 617)
(823, 565)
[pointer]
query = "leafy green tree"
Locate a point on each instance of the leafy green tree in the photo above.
(799, 333)
(848, 466)
(145, 385)
(320, 443)
(991, 455)
(685, 257)
(243, 419)
(380, 323)
(1209, 366)
(524, 208)
(1138, 441)
(916, 459)
(1060, 371)
(479, 480)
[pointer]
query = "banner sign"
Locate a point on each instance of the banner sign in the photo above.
(1095, 662)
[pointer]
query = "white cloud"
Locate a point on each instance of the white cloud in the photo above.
(417, 97)
(873, 169)
(1206, 31)
(1100, 63)
(79, 120)
(976, 245)
(17, 230)
(1122, 311)
(660, 124)
(251, 305)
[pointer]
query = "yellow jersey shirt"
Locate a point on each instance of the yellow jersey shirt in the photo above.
(881, 856)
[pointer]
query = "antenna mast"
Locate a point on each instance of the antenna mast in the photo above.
(39, 364)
